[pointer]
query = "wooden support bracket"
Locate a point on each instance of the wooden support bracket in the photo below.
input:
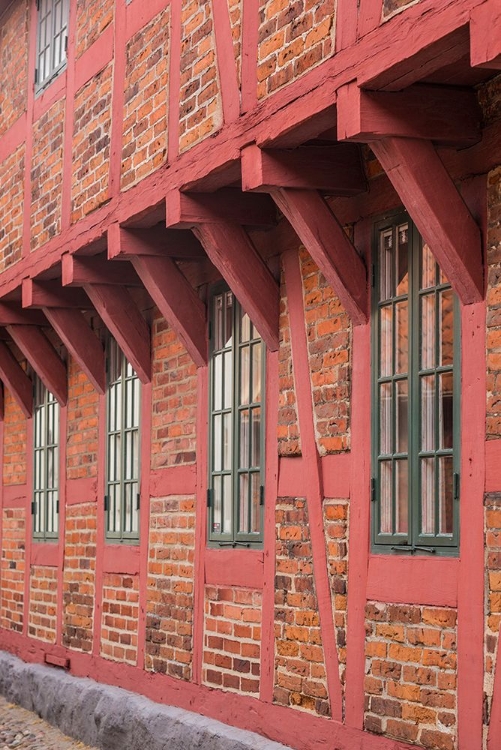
(186, 210)
(448, 116)
(231, 251)
(88, 270)
(16, 380)
(335, 169)
(81, 342)
(41, 294)
(125, 243)
(43, 358)
(11, 314)
(329, 246)
(485, 36)
(434, 204)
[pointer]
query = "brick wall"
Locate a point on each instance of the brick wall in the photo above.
(93, 16)
(13, 566)
(91, 144)
(289, 441)
(235, 10)
(46, 175)
(494, 304)
(328, 330)
(336, 533)
(13, 63)
(300, 677)
(232, 639)
(43, 603)
(82, 429)
(493, 594)
(79, 576)
(14, 442)
(120, 612)
(145, 104)
(174, 388)
(293, 38)
(200, 111)
(410, 681)
(11, 207)
(169, 610)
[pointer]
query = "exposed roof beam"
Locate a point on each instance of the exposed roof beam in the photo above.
(11, 314)
(449, 116)
(43, 294)
(329, 246)
(43, 358)
(16, 380)
(485, 39)
(335, 169)
(126, 243)
(81, 342)
(231, 251)
(88, 270)
(185, 210)
(431, 198)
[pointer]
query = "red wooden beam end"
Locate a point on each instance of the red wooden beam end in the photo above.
(41, 294)
(16, 380)
(431, 198)
(11, 314)
(447, 116)
(185, 210)
(126, 243)
(78, 271)
(177, 301)
(82, 343)
(231, 251)
(335, 169)
(44, 359)
(122, 317)
(329, 246)
(485, 35)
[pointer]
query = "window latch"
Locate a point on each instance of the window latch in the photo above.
(106, 504)
(455, 485)
(413, 548)
(373, 489)
(234, 544)
(138, 501)
(34, 508)
(209, 495)
(261, 494)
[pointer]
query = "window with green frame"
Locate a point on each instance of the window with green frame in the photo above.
(123, 410)
(415, 399)
(52, 39)
(236, 424)
(45, 507)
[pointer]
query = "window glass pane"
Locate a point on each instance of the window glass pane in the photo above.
(228, 380)
(135, 510)
(245, 375)
(403, 260)
(256, 437)
(402, 426)
(244, 438)
(428, 268)
(386, 265)
(447, 328)
(386, 358)
(229, 319)
(427, 495)
(243, 520)
(245, 327)
(402, 342)
(217, 484)
(446, 523)
(218, 381)
(217, 441)
(218, 322)
(228, 503)
(428, 413)
(385, 404)
(256, 372)
(256, 503)
(428, 331)
(402, 492)
(227, 442)
(446, 410)
(386, 497)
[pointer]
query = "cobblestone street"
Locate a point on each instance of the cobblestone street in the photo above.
(24, 730)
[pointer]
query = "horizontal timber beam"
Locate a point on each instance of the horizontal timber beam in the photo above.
(16, 380)
(12, 314)
(126, 243)
(485, 35)
(231, 251)
(335, 169)
(449, 116)
(185, 210)
(42, 294)
(88, 270)
(434, 204)
(329, 246)
(82, 343)
(44, 359)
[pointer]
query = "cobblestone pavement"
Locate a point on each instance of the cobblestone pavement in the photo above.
(22, 729)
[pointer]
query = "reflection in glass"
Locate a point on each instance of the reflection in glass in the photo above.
(447, 328)
(428, 413)
(402, 342)
(385, 265)
(427, 495)
(385, 403)
(245, 375)
(227, 503)
(403, 260)
(445, 494)
(429, 268)
(256, 372)
(243, 516)
(386, 497)
(244, 438)
(402, 426)
(256, 502)
(256, 437)
(428, 331)
(402, 493)
(446, 411)
(386, 358)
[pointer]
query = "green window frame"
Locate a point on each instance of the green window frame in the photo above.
(415, 396)
(123, 413)
(45, 506)
(236, 424)
(52, 40)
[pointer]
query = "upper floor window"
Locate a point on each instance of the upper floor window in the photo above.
(123, 409)
(236, 433)
(51, 39)
(45, 506)
(415, 396)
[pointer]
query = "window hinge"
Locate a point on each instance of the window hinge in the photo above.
(57, 507)
(455, 485)
(261, 495)
(234, 544)
(36, 75)
(106, 504)
(209, 496)
(373, 489)
(404, 547)
(138, 501)
(34, 508)
(66, 44)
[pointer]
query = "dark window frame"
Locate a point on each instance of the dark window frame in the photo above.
(46, 454)
(52, 40)
(414, 541)
(234, 537)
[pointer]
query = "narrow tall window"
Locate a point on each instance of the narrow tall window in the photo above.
(122, 454)
(52, 39)
(415, 395)
(236, 477)
(45, 506)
